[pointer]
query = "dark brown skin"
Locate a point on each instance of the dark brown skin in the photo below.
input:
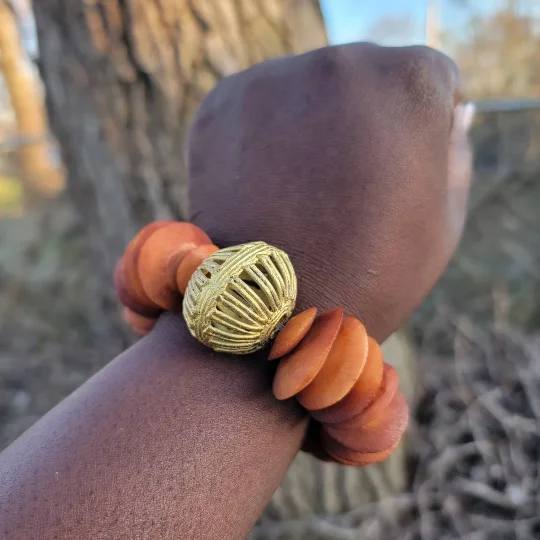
(339, 156)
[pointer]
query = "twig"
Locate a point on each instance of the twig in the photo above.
(483, 492)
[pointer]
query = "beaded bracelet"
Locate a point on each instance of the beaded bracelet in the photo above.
(237, 300)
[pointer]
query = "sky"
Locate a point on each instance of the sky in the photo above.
(356, 20)
(352, 20)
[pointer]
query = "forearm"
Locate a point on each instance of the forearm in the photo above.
(169, 440)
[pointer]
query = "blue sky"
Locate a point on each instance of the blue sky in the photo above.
(354, 20)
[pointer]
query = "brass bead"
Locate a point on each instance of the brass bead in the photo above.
(240, 297)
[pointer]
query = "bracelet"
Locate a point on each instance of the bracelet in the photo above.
(237, 300)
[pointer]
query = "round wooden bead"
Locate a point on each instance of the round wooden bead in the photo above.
(130, 267)
(171, 242)
(297, 370)
(190, 263)
(141, 325)
(341, 369)
(239, 297)
(294, 332)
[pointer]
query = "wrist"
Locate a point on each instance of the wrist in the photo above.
(238, 379)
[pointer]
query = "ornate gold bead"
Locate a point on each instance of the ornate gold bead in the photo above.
(239, 297)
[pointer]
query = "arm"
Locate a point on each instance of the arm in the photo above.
(167, 441)
(359, 185)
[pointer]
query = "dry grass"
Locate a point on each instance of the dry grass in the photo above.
(55, 331)
(477, 438)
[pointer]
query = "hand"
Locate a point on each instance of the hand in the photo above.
(353, 159)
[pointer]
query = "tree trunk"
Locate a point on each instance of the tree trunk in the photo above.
(39, 174)
(123, 78)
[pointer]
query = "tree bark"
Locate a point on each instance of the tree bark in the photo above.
(123, 78)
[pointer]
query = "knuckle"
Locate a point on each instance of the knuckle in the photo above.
(342, 61)
(422, 77)
(430, 78)
(324, 62)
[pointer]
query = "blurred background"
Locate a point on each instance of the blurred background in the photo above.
(95, 101)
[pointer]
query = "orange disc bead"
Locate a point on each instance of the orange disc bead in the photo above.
(381, 401)
(132, 282)
(341, 369)
(292, 334)
(338, 374)
(141, 325)
(171, 242)
(125, 297)
(346, 456)
(379, 434)
(191, 262)
(361, 394)
(297, 370)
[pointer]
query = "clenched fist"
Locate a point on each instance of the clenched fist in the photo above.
(354, 159)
